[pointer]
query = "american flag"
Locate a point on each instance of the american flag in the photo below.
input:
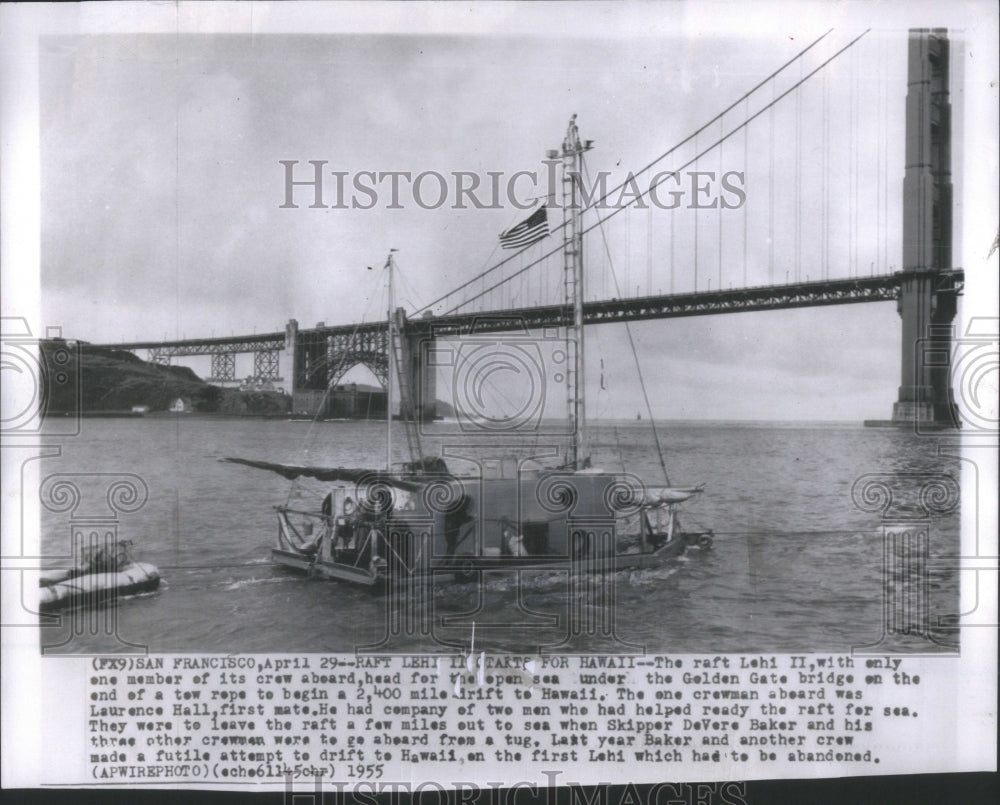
(531, 230)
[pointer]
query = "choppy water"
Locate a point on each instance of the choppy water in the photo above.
(796, 565)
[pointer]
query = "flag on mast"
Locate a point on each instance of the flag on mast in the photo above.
(531, 230)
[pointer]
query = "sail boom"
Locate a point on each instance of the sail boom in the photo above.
(350, 474)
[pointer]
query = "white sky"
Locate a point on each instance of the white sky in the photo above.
(160, 181)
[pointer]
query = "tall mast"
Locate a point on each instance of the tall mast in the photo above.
(572, 171)
(390, 351)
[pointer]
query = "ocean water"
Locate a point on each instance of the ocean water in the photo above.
(796, 565)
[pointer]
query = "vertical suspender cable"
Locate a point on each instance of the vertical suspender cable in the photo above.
(770, 197)
(722, 145)
(628, 252)
(746, 136)
(798, 178)
(851, 99)
(855, 149)
(885, 156)
(696, 227)
(604, 276)
(878, 159)
(672, 229)
(649, 250)
(524, 290)
(826, 176)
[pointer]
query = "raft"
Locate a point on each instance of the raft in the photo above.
(94, 589)
(102, 575)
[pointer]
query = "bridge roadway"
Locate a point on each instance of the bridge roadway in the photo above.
(879, 288)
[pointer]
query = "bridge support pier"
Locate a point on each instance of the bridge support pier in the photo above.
(304, 400)
(419, 347)
(307, 353)
(925, 395)
(161, 357)
(927, 310)
(265, 366)
(223, 368)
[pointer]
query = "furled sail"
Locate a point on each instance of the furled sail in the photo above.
(293, 471)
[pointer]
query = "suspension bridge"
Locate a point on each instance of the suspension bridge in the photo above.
(793, 201)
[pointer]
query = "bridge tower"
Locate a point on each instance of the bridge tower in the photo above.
(418, 347)
(926, 310)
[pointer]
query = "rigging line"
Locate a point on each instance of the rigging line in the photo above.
(263, 564)
(660, 158)
(482, 270)
(485, 272)
(405, 282)
(769, 533)
(635, 354)
(690, 162)
(323, 400)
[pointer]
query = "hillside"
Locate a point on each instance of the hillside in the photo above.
(115, 380)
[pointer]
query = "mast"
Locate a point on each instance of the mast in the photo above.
(572, 170)
(390, 352)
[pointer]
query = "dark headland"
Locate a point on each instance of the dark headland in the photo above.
(97, 381)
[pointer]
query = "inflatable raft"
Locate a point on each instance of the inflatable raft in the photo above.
(102, 578)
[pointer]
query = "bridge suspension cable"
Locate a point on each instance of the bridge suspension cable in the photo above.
(653, 185)
(746, 95)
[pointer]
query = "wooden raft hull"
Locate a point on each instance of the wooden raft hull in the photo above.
(468, 568)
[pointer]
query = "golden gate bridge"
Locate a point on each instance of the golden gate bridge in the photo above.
(816, 225)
